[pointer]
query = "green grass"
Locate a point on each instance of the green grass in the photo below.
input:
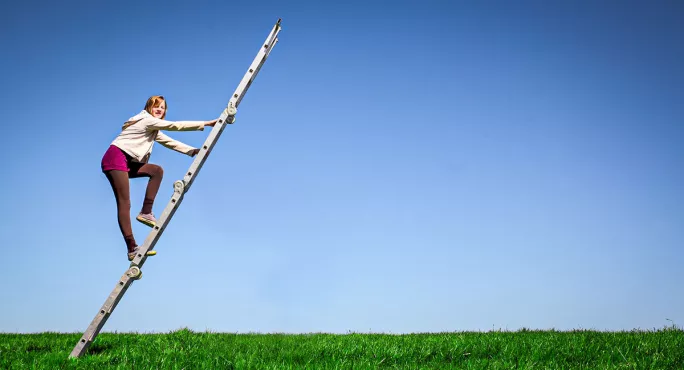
(184, 349)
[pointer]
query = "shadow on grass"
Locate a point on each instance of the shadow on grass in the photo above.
(99, 348)
(38, 348)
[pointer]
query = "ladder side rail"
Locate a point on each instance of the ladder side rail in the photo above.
(101, 318)
(254, 68)
(228, 114)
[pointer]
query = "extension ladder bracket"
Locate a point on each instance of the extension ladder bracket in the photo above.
(134, 273)
(230, 112)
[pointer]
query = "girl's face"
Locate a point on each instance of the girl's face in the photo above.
(159, 110)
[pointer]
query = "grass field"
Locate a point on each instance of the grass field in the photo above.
(184, 349)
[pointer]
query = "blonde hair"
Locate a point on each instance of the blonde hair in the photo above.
(155, 101)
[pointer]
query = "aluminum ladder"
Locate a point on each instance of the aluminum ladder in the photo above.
(180, 187)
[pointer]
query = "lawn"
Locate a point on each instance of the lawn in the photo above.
(185, 349)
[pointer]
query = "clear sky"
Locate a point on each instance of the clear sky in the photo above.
(396, 166)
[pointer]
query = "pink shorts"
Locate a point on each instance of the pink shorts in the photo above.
(115, 159)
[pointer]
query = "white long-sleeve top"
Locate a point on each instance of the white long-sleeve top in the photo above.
(141, 131)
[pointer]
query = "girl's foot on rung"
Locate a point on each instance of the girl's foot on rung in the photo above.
(131, 255)
(147, 219)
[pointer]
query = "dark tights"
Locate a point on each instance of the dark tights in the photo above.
(119, 182)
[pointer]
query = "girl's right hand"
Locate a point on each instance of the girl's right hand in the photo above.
(211, 123)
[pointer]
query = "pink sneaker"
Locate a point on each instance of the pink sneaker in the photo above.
(131, 255)
(147, 219)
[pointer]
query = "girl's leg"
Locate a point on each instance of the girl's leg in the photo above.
(119, 182)
(155, 173)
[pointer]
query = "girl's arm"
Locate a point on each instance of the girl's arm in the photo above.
(173, 144)
(152, 123)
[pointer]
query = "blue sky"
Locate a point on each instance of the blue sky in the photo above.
(396, 166)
